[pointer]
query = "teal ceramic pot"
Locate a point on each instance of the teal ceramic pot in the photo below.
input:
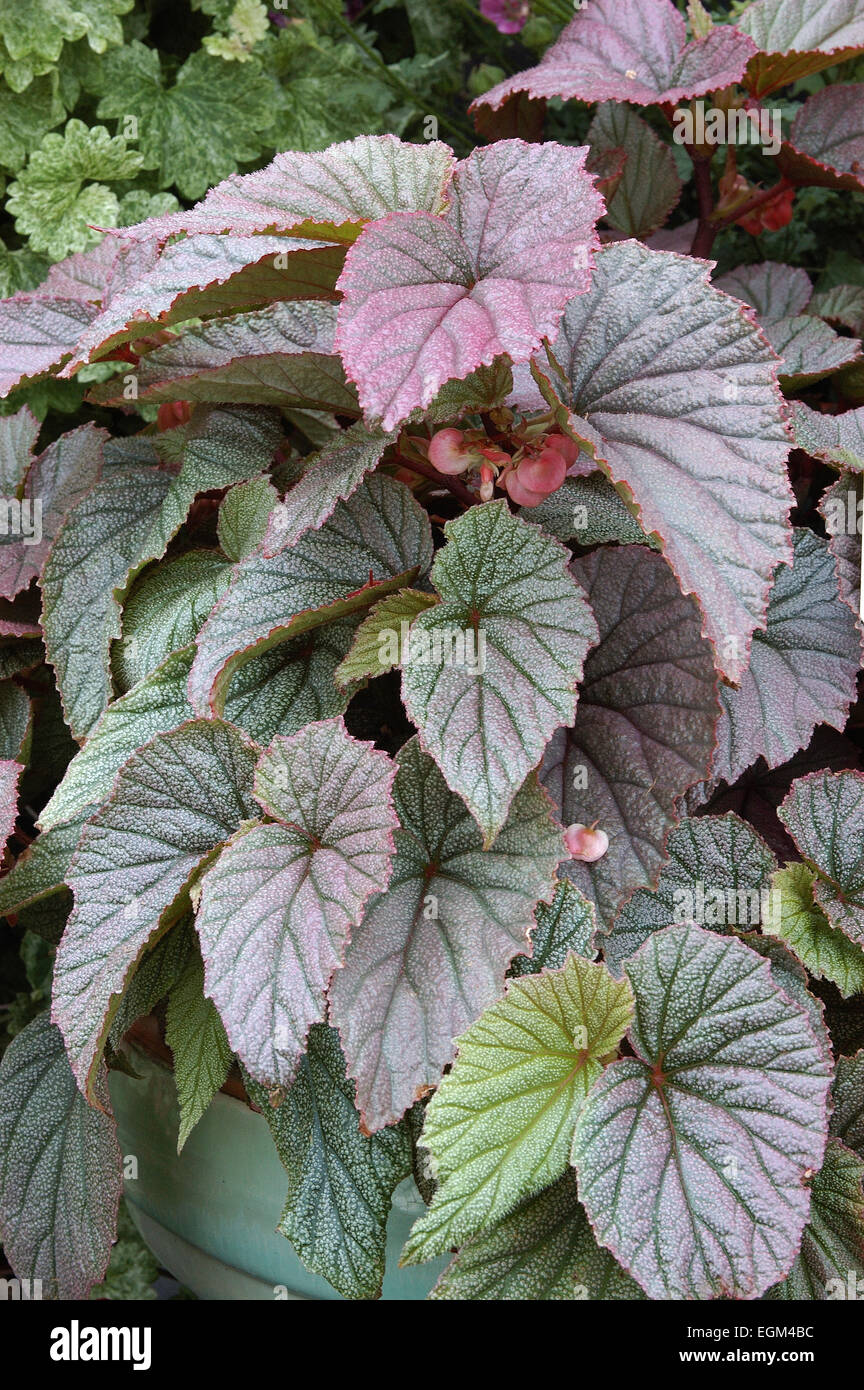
(209, 1213)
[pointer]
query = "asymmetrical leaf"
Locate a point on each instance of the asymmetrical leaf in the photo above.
(795, 918)
(173, 803)
(692, 428)
(564, 925)
(55, 1152)
(824, 814)
(691, 1155)
(278, 905)
(644, 727)
(377, 645)
(431, 953)
(329, 477)
(544, 1250)
(243, 516)
(202, 1053)
(428, 298)
(500, 1126)
(799, 37)
(374, 543)
(832, 1247)
(803, 668)
(341, 1180)
(630, 50)
(650, 186)
(717, 874)
(487, 708)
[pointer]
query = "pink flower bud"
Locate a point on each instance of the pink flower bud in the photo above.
(448, 452)
(586, 842)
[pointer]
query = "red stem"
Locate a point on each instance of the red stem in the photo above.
(706, 230)
(764, 195)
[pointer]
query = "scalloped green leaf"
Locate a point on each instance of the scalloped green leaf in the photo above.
(491, 671)
(824, 814)
(774, 290)
(565, 925)
(378, 641)
(164, 611)
(644, 727)
(174, 802)
(544, 1250)
(831, 1259)
(500, 1126)
(692, 1154)
(690, 426)
(376, 542)
(341, 1179)
(278, 906)
(55, 1153)
(199, 1044)
(795, 918)
(717, 874)
(431, 953)
(809, 350)
(243, 516)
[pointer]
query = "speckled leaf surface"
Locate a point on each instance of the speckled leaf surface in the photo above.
(644, 727)
(57, 479)
(716, 872)
(431, 953)
(691, 1154)
(841, 507)
(380, 537)
(842, 306)
(155, 975)
(692, 428)
(832, 1247)
(796, 919)
(281, 355)
(18, 435)
(154, 706)
(282, 690)
(88, 563)
(809, 350)
(566, 924)
(824, 814)
(544, 1250)
(430, 298)
(243, 516)
(772, 289)
(38, 333)
(650, 186)
(341, 1180)
(41, 871)
(165, 610)
(826, 143)
(279, 904)
(55, 1152)
(847, 1120)
(328, 194)
(10, 772)
(799, 37)
(378, 641)
(803, 668)
(837, 439)
(500, 1126)
(173, 803)
(15, 721)
(486, 713)
(197, 1039)
(590, 511)
(630, 50)
(329, 477)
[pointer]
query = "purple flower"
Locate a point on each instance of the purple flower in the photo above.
(508, 16)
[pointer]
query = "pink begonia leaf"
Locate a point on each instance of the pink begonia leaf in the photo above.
(9, 773)
(18, 435)
(432, 952)
(37, 334)
(278, 905)
(56, 481)
(211, 275)
(692, 427)
(644, 729)
(430, 298)
(798, 38)
(824, 814)
(826, 143)
(840, 507)
(630, 50)
(803, 668)
(327, 194)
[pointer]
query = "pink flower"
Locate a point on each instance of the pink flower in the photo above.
(508, 16)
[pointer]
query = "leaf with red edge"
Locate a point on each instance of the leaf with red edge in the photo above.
(432, 952)
(9, 773)
(376, 542)
(773, 290)
(644, 728)
(18, 435)
(207, 275)
(178, 798)
(38, 334)
(328, 193)
(57, 480)
(691, 426)
(649, 185)
(630, 50)
(841, 509)
(809, 350)
(836, 439)
(430, 298)
(824, 814)
(279, 904)
(799, 37)
(692, 1154)
(281, 355)
(803, 668)
(826, 143)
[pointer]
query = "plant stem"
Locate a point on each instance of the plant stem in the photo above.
(763, 196)
(706, 230)
(427, 470)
